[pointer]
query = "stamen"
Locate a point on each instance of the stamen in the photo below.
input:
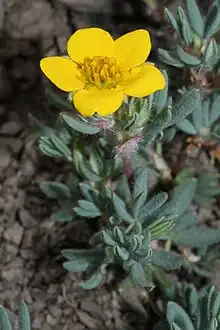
(101, 71)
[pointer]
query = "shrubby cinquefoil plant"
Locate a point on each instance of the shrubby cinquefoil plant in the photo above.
(116, 111)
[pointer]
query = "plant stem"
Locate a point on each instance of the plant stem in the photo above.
(168, 245)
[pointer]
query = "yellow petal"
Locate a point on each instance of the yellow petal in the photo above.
(88, 43)
(133, 48)
(102, 101)
(143, 81)
(62, 72)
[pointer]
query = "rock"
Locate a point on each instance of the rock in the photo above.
(28, 167)
(14, 144)
(30, 20)
(92, 308)
(55, 311)
(5, 158)
(88, 321)
(11, 251)
(51, 320)
(14, 234)
(26, 219)
(14, 271)
(10, 128)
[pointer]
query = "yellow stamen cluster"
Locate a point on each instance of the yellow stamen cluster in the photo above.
(101, 71)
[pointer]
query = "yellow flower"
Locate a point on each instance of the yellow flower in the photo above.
(100, 71)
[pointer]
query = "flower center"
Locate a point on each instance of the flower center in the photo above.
(101, 71)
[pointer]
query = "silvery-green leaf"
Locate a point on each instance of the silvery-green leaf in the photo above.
(195, 17)
(79, 126)
(94, 281)
(170, 58)
(55, 190)
(212, 54)
(160, 97)
(197, 237)
(212, 23)
(4, 320)
(169, 16)
(186, 104)
(167, 260)
(187, 58)
(186, 126)
(186, 30)
(177, 315)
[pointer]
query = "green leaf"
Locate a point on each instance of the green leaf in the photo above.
(140, 190)
(161, 227)
(4, 320)
(47, 148)
(63, 215)
(78, 254)
(95, 280)
(123, 190)
(186, 31)
(58, 101)
(85, 213)
(211, 55)
(77, 265)
(185, 221)
(152, 205)
(88, 173)
(186, 126)
(182, 197)
(89, 192)
(212, 23)
(121, 210)
(171, 19)
(153, 128)
(108, 238)
(177, 315)
(185, 105)
(184, 174)
(55, 190)
(214, 112)
(195, 17)
(81, 260)
(197, 237)
(160, 97)
(24, 317)
(121, 253)
(197, 115)
(79, 126)
(187, 58)
(138, 275)
(60, 146)
(89, 207)
(167, 260)
(169, 58)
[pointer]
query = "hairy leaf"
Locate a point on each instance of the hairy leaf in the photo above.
(176, 315)
(167, 260)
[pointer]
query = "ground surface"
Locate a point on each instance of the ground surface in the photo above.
(30, 263)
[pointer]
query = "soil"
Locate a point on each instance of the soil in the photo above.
(30, 262)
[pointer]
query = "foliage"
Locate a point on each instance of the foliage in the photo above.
(145, 231)
(23, 322)
(190, 309)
